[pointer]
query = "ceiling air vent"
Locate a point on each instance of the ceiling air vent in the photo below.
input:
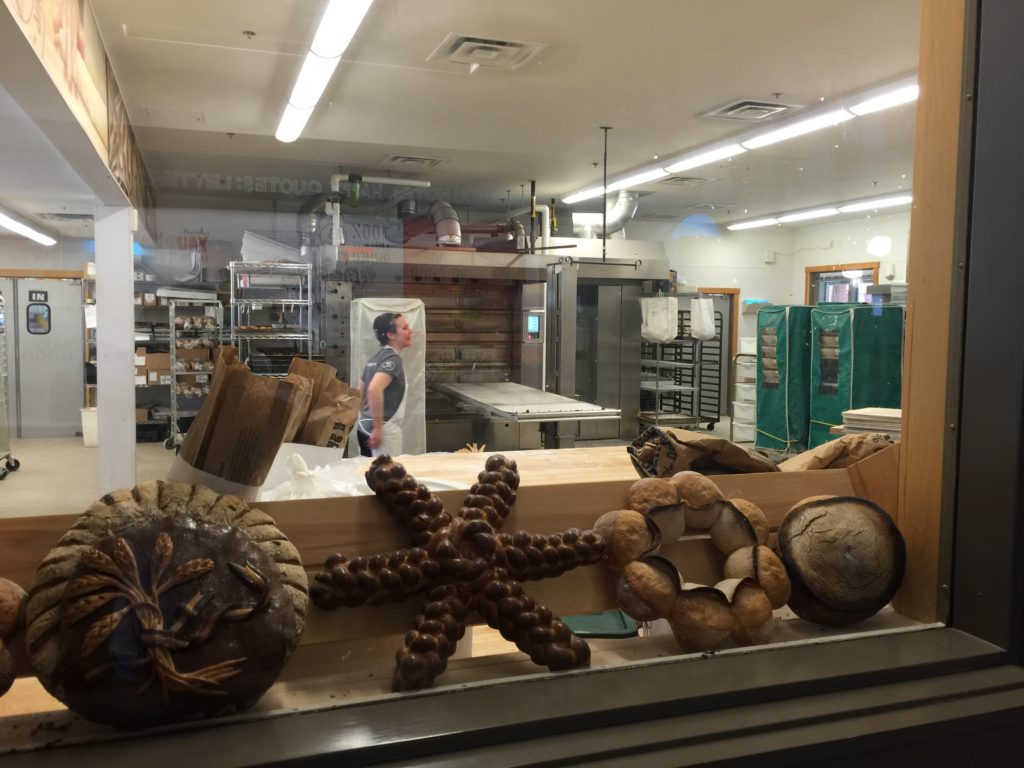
(752, 110)
(488, 52)
(411, 161)
(66, 216)
(685, 181)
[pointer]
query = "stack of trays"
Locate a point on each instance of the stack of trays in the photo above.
(886, 420)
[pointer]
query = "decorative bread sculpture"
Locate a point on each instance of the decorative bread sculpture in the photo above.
(165, 602)
(845, 558)
(650, 587)
(459, 565)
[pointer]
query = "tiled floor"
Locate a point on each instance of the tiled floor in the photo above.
(59, 475)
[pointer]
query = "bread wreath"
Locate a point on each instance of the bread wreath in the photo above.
(660, 510)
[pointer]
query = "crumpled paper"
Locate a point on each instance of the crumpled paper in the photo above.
(661, 452)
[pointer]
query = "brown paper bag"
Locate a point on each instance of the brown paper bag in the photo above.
(331, 420)
(839, 453)
(238, 430)
(661, 452)
(300, 408)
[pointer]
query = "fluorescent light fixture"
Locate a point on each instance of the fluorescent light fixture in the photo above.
(878, 202)
(893, 98)
(817, 213)
(25, 231)
(798, 128)
(584, 218)
(312, 80)
(292, 122)
(644, 177)
(687, 162)
(584, 194)
(753, 224)
(338, 25)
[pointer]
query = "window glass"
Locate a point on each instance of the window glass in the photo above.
(38, 318)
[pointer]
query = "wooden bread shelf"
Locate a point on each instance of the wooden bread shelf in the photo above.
(348, 655)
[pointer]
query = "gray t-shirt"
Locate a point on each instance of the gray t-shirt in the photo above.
(386, 360)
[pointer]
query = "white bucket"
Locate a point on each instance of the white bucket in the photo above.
(89, 425)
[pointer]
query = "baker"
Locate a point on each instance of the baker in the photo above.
(383, 388)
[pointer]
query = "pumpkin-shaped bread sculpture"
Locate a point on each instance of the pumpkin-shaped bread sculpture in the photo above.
(165, 602)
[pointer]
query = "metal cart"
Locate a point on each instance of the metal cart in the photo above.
(190, 377)
(10, 463)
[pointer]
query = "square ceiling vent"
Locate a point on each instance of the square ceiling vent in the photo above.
(410, 162)
(752, 110)
(491, 52)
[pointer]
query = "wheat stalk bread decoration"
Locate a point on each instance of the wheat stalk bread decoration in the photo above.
(165, 602)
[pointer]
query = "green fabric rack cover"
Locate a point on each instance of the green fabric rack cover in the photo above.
(856, 362)
(783, 377)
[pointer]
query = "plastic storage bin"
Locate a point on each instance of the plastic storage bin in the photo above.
(746, 412)
(746, 393)
(743, 433)
(90, 421)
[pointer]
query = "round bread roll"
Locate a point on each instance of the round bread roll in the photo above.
(651, 492)
(694, 489)
(732, 530)
(647, 589)
(6, 669)
(753, 623)
(166, 602)
(702, 519)
(764, 567)
(701, 618)
(12, 603)
(845, 556)
(756, 517)
(628, 535)
(670, 520)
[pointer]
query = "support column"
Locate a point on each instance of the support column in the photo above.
(115, 347)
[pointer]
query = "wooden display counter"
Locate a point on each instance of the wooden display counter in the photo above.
(347, 655)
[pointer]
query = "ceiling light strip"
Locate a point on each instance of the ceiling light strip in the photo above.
(891, 95)
(337, 27)
(856, 206)
(25, 231)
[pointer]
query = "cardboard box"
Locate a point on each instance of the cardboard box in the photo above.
(140, 370)
(140, 357)
(141, 381)
(159, 361)
(157, 376)
(141, 414)
(192, 354)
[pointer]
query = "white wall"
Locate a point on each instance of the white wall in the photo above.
(846, 242)
(717, 258)
(19, 253)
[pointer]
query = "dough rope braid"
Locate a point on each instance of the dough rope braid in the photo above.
(461, 565)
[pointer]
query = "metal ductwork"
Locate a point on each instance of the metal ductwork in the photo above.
(620, 211)
(446, 224)
(406, 208)
(315, 216)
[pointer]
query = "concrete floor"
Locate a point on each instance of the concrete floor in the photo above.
(58, 476)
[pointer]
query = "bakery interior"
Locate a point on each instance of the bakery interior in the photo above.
(525, 182)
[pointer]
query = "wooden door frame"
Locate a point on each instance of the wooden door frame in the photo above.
(735, 313)
(808, 271)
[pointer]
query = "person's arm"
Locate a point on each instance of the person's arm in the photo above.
(375, 401)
